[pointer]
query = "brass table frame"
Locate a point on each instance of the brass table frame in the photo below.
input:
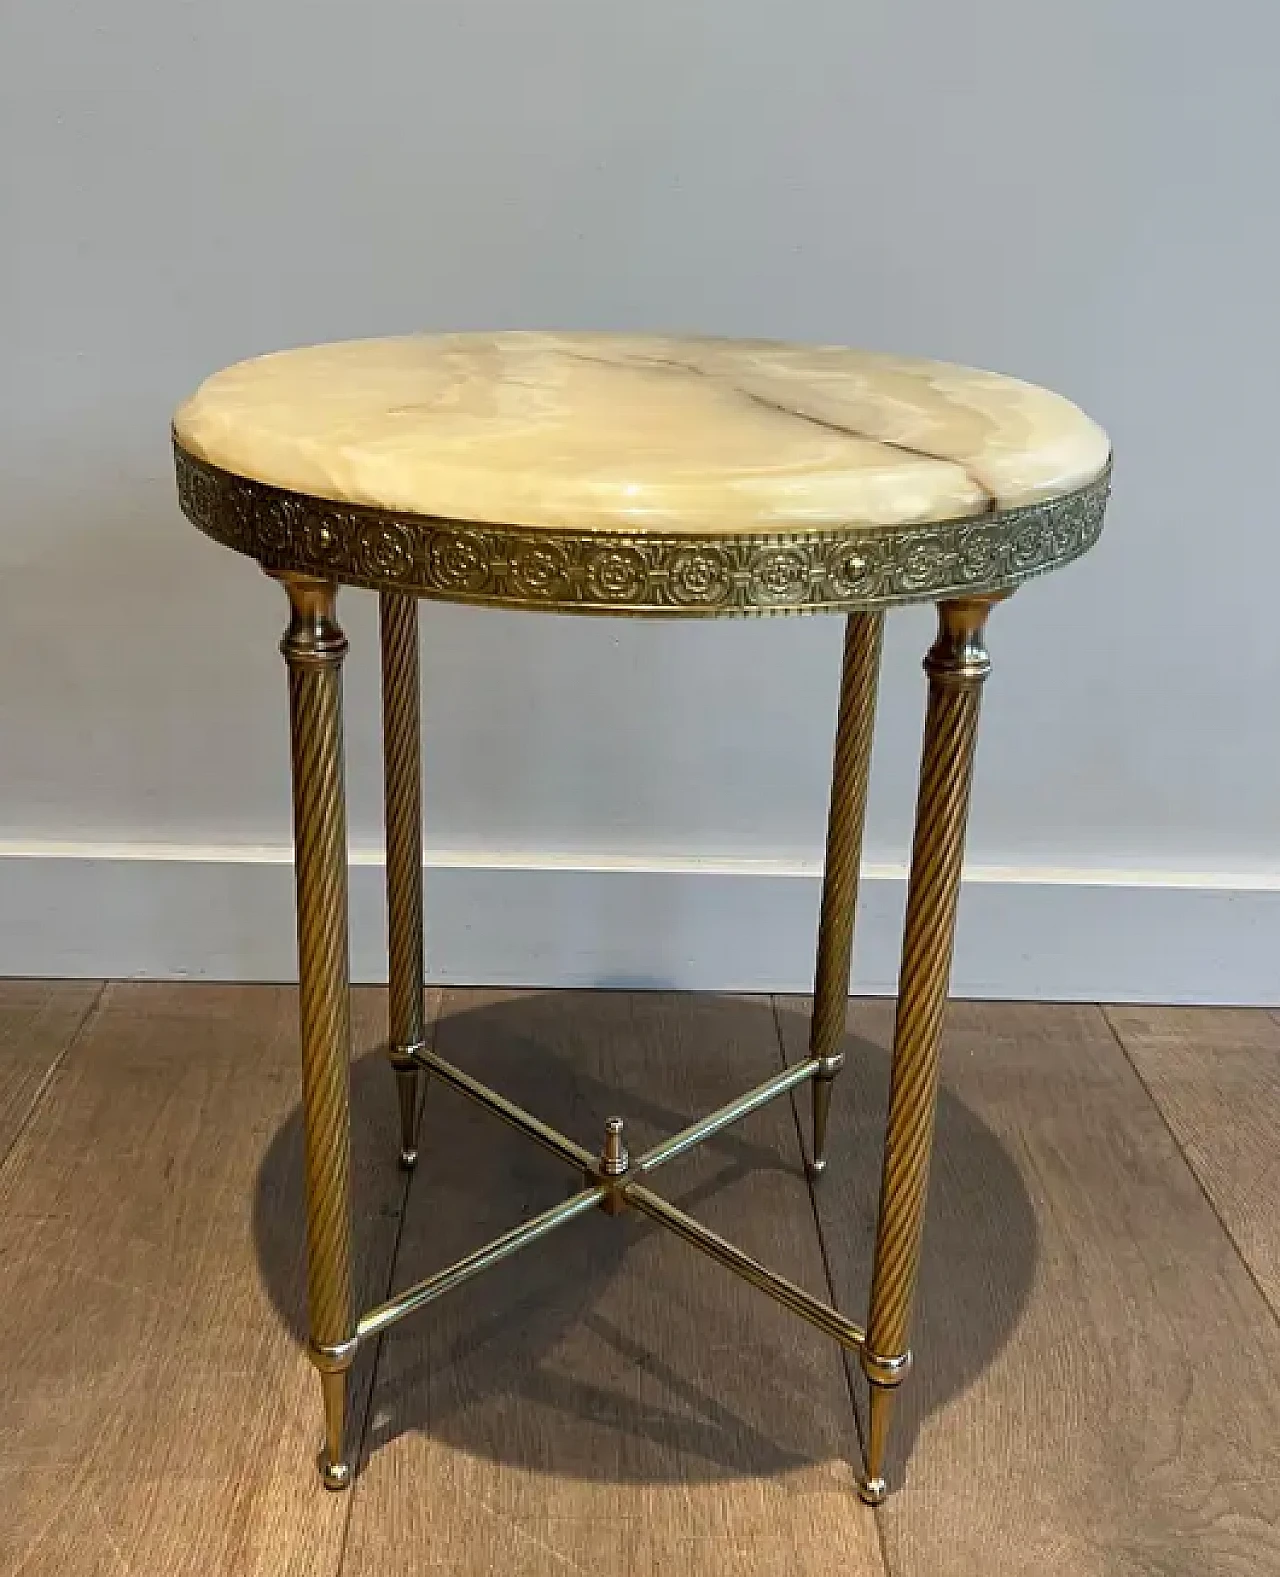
(311, 546)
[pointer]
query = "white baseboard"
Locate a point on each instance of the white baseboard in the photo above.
(226, 914)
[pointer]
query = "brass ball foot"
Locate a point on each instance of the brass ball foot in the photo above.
(814, 1169)
(872, 1491)
(335, 1475)
(408, 1160)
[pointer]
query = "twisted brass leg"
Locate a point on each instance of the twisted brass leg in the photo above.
(956, 665)
(402, 755)
(849, 775)
(314, 647)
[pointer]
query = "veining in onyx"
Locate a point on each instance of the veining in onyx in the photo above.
(584, 432)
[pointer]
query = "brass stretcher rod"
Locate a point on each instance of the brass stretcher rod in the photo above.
(424, 1292)
(695, 1133)
(725, 1253)
(575, 1155)
(500, 1106)
(809, 1308)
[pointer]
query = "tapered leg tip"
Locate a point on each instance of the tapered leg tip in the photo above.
(335, 1475)
(408, 1160)
(872, 1491)
(815, 1167)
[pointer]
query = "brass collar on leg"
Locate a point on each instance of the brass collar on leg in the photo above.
(885, 1371)
(314, 638)
(333, 1357)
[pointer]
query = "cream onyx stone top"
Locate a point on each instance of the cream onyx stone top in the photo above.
(636, 433)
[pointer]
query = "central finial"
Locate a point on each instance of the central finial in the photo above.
(614, 1159)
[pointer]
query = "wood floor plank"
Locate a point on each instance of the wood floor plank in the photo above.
(158, 1412)
(1097, 1388)
(1215, 1074)
(38, 1021)
(610, 1402)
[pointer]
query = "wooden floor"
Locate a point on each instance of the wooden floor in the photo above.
(1097, 1391)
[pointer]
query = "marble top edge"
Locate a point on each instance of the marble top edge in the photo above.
(825, 532)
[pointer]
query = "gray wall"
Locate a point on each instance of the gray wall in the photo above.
(1079, 194)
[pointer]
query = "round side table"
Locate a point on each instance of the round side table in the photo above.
(629, 475)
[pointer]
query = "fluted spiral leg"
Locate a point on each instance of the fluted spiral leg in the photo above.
(314, 647)
(402, 776)
(846, 818)
(956, 665)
